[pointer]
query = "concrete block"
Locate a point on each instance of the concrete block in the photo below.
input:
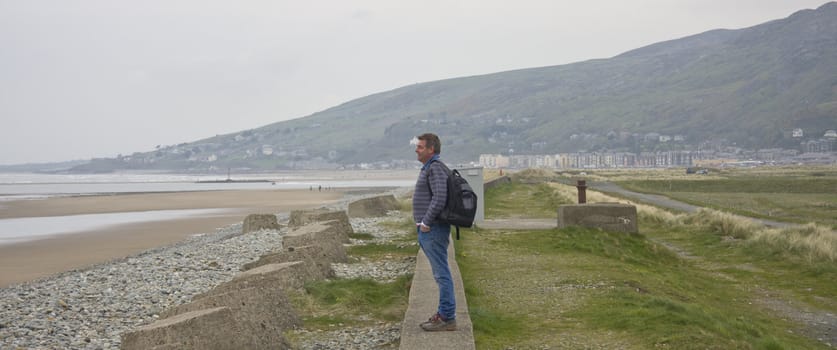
(202, 329)
(322, 256)
(373, 206)
(284, 276)
(303, 217)
(262, 313)
(320, 233)
(255, 222)
(606, 216)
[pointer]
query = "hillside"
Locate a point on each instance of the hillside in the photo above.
(747, 87)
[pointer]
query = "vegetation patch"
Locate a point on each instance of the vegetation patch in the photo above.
(799, 197)
(692, 281)
(523, 200)
(382, 251)
(353, 301)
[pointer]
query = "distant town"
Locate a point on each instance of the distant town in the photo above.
(652, 150)
(821, 150)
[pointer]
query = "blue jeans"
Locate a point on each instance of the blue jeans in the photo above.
(435, 247)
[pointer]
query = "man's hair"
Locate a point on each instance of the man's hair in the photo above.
(431, 140)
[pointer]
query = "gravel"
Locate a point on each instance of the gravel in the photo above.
(90, 308)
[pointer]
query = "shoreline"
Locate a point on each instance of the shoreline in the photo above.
(28, 261)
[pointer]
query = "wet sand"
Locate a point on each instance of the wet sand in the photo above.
(26, 261)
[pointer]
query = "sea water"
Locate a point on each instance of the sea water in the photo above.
(23, 186)
(26, 229)
(34, 186)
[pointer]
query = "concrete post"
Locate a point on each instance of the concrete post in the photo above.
(582, 191)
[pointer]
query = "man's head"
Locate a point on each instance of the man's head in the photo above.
(428, 144)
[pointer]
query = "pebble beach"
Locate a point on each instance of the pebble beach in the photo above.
(90, 308)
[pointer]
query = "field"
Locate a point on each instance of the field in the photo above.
(706, 280)
(791, 195)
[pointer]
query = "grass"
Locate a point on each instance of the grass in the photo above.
(576, 286)
(379, 251)
(337, 304)
(694, 281)
(331, 303)
(794, 197)
(542, 201)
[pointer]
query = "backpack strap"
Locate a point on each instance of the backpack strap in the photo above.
(444, 168)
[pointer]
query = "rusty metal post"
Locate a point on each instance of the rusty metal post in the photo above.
(582, 191)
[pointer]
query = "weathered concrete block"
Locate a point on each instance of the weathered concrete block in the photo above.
(322, 256)
(373, 206)
(255, 222)
(263, 314)
(303, 217)
(202, 329)
(283, 276)
(332, 232)
(606, 216)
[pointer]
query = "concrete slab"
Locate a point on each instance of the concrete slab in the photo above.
(424, 298)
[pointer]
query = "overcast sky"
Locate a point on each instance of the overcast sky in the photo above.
(95, 78)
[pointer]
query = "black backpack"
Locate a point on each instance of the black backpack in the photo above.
(461, 206)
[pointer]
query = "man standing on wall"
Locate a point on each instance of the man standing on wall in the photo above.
(428, 201)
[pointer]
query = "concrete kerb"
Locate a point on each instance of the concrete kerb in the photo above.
(424, 298)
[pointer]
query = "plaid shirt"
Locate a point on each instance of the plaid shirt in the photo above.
(427, 206)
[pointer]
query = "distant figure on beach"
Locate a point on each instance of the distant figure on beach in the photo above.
(434, 237)
(320, 188)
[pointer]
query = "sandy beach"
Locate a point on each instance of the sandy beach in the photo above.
(26, 261)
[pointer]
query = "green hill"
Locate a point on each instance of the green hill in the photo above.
(749, 87)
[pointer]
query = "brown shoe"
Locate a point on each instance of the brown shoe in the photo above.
(437, 323)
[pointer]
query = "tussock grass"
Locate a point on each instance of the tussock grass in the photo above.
(724, 224)
(811, 241)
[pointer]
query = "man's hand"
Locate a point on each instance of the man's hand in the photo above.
(424, 228)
